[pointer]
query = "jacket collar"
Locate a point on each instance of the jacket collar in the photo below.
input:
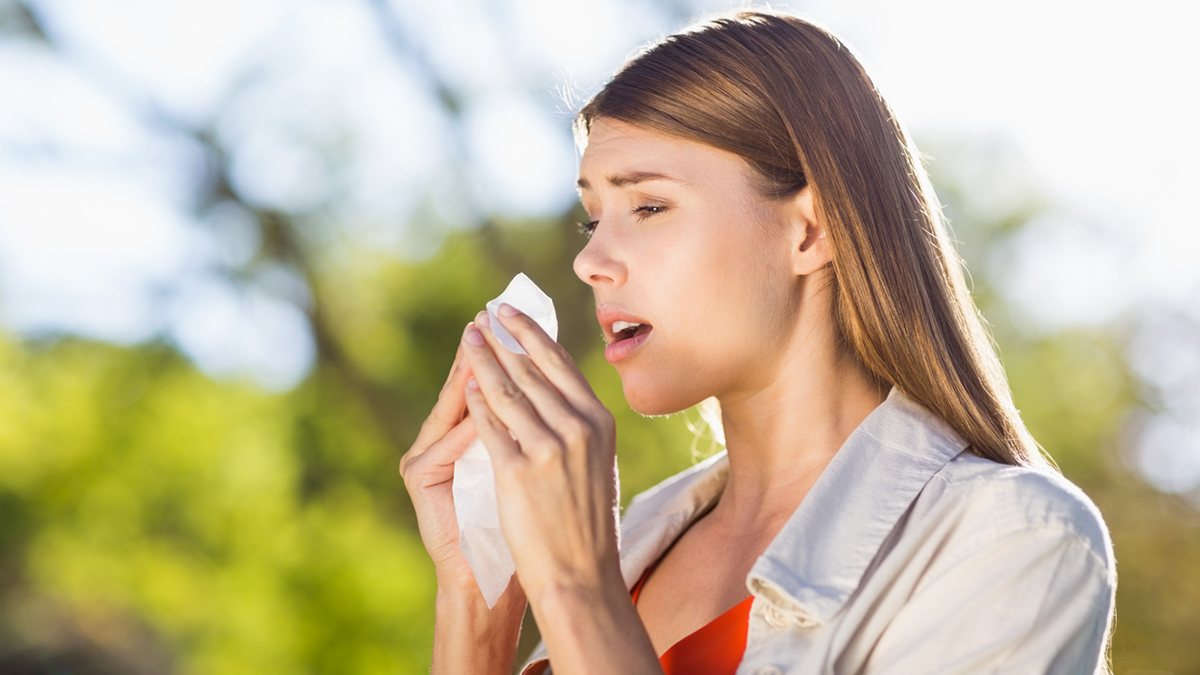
(820, 555)
(656, 517)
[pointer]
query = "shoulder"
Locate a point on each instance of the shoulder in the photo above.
(982, 501)
(1008, 568)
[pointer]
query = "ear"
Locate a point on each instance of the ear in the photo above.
(810, 247)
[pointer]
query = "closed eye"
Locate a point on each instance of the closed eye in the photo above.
(643, 212)
(588, 227)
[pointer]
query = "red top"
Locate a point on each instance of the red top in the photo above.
(716, 648)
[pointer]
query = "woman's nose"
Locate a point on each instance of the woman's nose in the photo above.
(597, 266)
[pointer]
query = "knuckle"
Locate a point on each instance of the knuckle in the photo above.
(606, 423)
(507, 473)
(564, 357)
(510, 393)
(600, 416)
(547, 456)
(576, 432)
(435, 418)
(525, 372)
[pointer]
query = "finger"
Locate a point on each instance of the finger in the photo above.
(491, 429)
(550, 357)
(458, 358)
(429, 465)
(567, 422)
(504, 398)
(456, 380)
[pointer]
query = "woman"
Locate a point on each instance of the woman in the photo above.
(764, 234)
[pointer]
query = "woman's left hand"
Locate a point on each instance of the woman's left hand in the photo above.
(552, 444)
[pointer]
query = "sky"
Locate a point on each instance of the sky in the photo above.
(98, 235)
(1098, 97)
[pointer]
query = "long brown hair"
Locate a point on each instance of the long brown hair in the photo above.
(793, 101)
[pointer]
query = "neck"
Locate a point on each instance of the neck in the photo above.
(783, 433)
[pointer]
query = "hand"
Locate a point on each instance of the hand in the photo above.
(428, 472)
(552, 443)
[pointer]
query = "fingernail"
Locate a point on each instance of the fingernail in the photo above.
(508, 310)
(483, 319)
(473, 335)
(472, 384)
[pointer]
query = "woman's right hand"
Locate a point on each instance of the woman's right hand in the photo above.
(428, 472)
(467, 636)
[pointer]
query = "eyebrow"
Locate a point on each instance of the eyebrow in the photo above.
(632, 178)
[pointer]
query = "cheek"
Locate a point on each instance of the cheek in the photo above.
(685, 286)
(729, 297)
(718, 304)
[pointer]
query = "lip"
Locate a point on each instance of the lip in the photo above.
(616, 351)
(607, 314)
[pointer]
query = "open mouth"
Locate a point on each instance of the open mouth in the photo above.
(625, 330)
(627, 337)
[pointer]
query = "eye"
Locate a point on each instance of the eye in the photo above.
(588, 227)
(644, 212)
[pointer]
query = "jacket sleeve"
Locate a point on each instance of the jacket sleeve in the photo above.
(1038, 600)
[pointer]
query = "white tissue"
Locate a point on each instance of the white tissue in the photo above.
(474, 486)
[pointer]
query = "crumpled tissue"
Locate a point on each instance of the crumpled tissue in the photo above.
(474, 486)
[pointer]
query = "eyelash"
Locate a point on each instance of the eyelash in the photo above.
(642, 213)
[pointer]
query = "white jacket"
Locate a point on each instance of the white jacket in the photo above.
(908, 555)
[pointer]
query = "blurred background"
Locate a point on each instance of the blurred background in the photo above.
(239, 242)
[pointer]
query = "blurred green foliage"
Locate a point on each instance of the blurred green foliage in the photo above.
(200, 526)
(155, 520)
(162, 521)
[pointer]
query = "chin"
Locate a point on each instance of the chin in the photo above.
(652, 396)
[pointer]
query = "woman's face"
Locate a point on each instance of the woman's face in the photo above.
(683, 242)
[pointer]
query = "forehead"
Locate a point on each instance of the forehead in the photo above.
(607, 136)
(617, 147)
